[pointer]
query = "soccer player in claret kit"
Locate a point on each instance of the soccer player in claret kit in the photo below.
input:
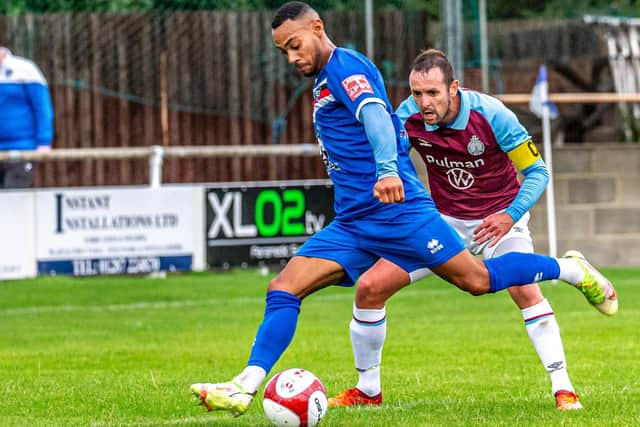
(382, 209)
(470, 143)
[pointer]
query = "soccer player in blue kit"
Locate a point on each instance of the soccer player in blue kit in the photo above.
(382, 209)
(470, 143)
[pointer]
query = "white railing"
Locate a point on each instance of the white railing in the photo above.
(574, 98)
(156, 154)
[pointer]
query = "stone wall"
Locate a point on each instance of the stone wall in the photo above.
(597, 194)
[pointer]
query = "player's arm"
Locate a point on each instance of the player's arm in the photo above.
(536, 177)
(528, 161)
(406, 109)
(382, 137)
(513, 139)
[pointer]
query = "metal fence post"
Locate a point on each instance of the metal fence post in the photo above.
(155, 166)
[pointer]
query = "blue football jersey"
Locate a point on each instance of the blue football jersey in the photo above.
(347, 83)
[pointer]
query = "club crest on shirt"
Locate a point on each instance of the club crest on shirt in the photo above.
(356, 85)
(475, 146)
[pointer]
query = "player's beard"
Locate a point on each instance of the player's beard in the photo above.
(446, 112)
(314, 69)
(439, 118)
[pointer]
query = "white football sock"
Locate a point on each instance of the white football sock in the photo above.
(570, 270)
(368, 330)
(251, 378)
(544, 332)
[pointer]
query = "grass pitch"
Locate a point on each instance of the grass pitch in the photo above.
(122, 351)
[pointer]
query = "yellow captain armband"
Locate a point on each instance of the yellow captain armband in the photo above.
(524, 155)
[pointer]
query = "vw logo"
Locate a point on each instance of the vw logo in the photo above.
(460, 178)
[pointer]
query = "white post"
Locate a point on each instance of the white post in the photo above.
(484, 45)
(368, 25)
(452, 34)
(155, 166)
(551, 208)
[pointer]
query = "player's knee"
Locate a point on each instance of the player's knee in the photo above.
(475, 290)
(370, 293)
(473, 284)
(279, 283)
(526, 296)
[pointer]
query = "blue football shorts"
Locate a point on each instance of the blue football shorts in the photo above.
(414, 241)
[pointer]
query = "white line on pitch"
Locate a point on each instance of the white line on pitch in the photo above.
(160, 305)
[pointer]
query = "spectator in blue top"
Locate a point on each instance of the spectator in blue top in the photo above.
(26, 116)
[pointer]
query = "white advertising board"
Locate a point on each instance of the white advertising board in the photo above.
(118, 230)
(17, 259)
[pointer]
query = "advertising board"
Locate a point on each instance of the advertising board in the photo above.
(17, 259)
(264, 222)
(117, 230)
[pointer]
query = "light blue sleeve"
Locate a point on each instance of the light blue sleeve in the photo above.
(536, 178)
(509, 134)
(382, 136)
(507, 129)
(406, 109)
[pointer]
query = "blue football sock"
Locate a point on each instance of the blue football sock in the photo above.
(277, 329)
(516, 269)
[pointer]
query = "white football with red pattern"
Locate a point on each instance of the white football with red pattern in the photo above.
(295, 397)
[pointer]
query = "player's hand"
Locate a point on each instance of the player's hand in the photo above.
(493, 227)
(389, 190)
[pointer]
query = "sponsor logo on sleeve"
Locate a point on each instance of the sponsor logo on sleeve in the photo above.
(356, 85)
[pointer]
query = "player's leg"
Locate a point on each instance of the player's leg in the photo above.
(368, 329)
(466, 230)
(491, 275)
(544, 332)
(433, 243)
(518, 269)
(300, 277)
(405, 257)
(329, 257)
(539, 319)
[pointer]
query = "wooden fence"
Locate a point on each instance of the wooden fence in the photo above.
(183, 78)
(191, 78)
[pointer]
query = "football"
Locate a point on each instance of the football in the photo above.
(295, 397)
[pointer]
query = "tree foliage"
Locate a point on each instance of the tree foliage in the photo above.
(496, 9)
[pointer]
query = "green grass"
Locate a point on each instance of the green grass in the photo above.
(116, 351)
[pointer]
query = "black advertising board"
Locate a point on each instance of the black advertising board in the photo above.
(263, 223)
